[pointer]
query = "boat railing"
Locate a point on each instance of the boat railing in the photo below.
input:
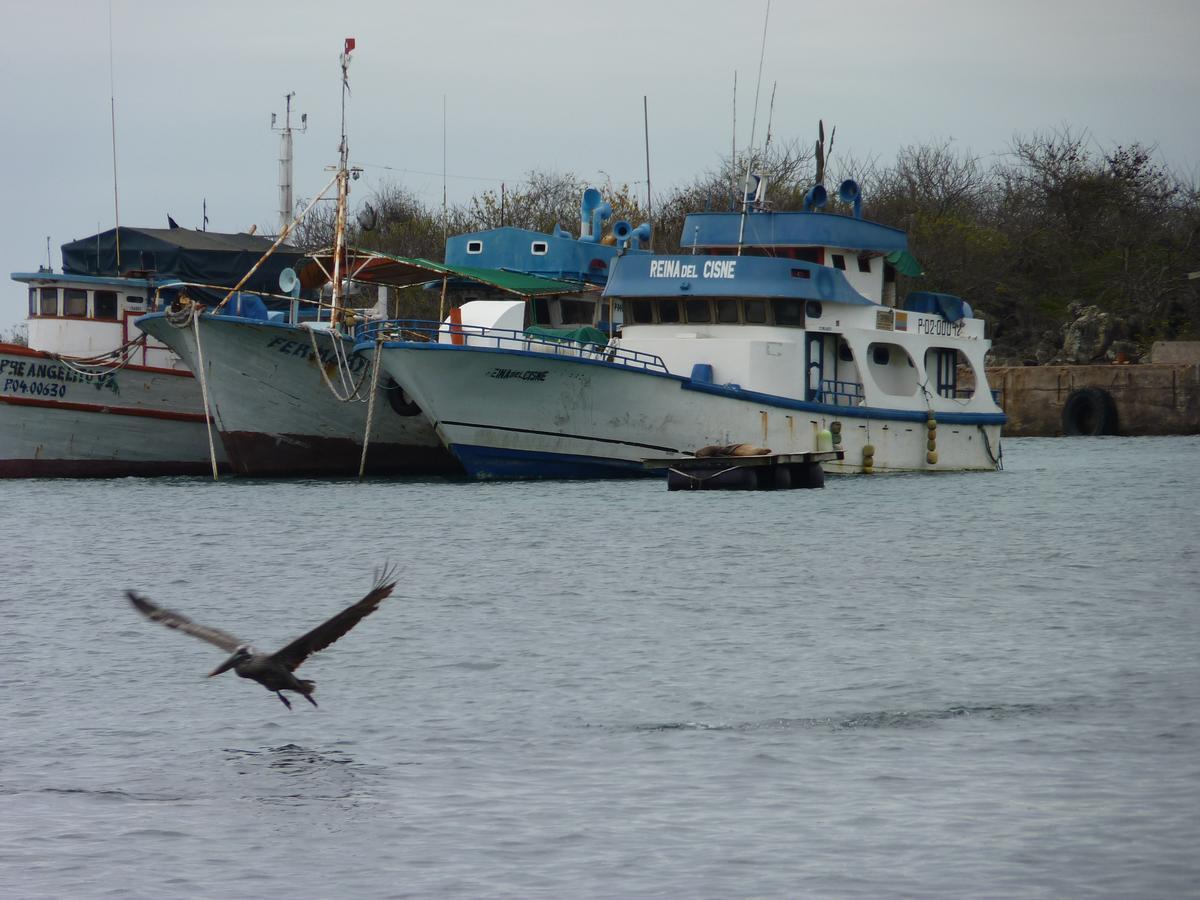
(841, 393)
(506, 339)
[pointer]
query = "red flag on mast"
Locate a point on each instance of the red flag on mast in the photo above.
(349, 45)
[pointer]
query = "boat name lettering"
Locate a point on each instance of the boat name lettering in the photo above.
(304, 349)
(57, 375)
(518, 373)
(719, 268)
(939, 327)
(674, 268)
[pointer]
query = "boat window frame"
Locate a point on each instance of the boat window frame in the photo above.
(635, 306)
(474, 248)
(539, 248)
(759, 301)
(43, 294)
(699, 304)
(720, 303)
(839, 261)
(74, 294)
(34, 306)
(116, 306)
(777, 303)
(661, 304)
(950, 389)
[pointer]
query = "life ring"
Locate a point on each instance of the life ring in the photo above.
(1089, 411)
(400, 402)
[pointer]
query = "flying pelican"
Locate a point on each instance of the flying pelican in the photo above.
(274, 670)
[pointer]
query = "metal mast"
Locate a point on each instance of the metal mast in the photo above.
(285, 160)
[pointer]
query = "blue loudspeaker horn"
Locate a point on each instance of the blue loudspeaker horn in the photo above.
(816, 197)
(848, 192)
(622, 231)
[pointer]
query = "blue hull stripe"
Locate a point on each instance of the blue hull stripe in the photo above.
(494, 462)
(598, 440)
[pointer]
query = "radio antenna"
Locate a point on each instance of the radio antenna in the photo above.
(649, 199)
(753, 125)
(112, 109)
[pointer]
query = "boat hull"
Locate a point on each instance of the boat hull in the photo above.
(517, 414)
(277, 417)
(135, 421)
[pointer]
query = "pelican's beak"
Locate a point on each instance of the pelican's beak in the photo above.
(225, 666)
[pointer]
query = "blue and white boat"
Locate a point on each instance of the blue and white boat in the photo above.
(780, 329)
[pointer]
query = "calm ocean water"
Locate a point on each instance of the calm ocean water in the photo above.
(904, 686)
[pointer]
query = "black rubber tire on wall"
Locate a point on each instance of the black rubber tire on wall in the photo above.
(1089, 411)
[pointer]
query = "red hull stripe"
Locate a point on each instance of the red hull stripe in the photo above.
(107, 410)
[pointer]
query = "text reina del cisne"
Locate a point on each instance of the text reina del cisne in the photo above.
(674, 268)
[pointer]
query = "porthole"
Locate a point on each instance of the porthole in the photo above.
(474, 247)
(539, 248)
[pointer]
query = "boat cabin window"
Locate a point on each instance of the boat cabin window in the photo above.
(942, 365)
(49, 302)
(755, 311)
(541, 311)
(104, 305)
(845, 354)
(697, 311)
(727, 312)
(75, 302)
(788, 312)
(33, 304)
(577, 312)
(539, 248)
(811, 254)
(641, 312)
(892, 369)
(668, 311)
(864, 264)
(839, 261)
(813, 309)
(474, 246)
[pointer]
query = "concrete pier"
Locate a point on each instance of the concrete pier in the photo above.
(1150, 399)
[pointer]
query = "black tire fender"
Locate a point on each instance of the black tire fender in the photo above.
(399, 401)
(1089, 411)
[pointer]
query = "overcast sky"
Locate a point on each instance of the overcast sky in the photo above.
(538, 85)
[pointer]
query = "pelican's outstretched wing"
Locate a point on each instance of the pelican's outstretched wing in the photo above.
(226, 642)
(325, 634)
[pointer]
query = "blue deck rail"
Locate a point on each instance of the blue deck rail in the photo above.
(419, 331)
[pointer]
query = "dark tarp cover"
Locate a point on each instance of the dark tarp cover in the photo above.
(582, 334)
(948, 306)
(207, 257)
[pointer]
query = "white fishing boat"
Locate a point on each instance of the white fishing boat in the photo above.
(90, 395)
(779, 329)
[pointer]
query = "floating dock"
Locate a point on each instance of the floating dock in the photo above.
(762, 472)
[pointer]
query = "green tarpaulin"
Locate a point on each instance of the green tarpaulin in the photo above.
(905, 263)
(583, 334)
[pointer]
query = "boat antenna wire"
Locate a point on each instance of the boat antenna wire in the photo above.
(753, 125)
(649, 199)
(733, 141)
(112, 110)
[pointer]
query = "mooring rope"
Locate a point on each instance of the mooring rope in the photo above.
(212, 450)
(362, 463)
(352, 391)
(997, 461)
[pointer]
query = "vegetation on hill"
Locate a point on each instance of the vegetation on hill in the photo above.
(1052, 232)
